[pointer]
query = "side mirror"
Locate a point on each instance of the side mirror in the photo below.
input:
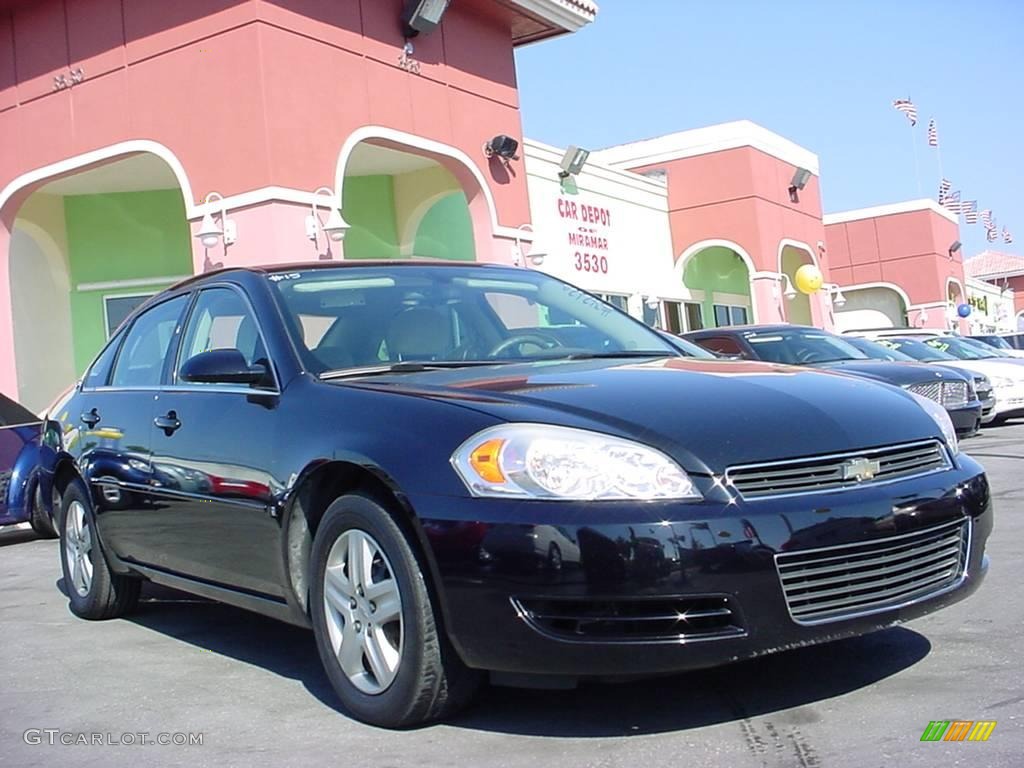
(222, 366)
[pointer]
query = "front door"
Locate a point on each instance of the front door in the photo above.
(212, 460)
(114, 429)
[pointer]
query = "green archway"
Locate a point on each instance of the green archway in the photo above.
(720, 281)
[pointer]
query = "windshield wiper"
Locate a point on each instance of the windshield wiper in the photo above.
(407, 366)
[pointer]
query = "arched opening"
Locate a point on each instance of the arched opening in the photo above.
(954, 298)
(869, 306)
(1020, 320)
(796, 307)
(86, 247)
(716, 277)
(404, 196)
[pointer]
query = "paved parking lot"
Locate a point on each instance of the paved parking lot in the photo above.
(255, 691)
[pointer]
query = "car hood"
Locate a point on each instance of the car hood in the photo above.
(990, 368)
(900, 373)
(707, 414)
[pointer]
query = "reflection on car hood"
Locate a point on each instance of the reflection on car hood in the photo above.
(901, 373)
(709, 414)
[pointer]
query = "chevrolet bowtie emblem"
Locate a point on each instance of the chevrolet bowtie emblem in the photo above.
(860, 469)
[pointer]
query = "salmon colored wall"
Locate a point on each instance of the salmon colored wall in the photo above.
(910, 249)
(233, 87)
(741, 195)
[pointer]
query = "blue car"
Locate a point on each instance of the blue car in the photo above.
(27, 459)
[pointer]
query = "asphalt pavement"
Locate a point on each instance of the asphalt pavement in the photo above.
(253, 691)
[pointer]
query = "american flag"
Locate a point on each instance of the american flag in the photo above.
(1007, 237)
(952, 202)
(969, 208)
(991, 234)
(944, 186)
(906, 106)
(933, 134)
(986, 217)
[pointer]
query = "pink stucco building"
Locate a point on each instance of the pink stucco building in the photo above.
(119, 118)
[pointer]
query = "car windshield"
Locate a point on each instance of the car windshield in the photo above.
(916, 349)
(983, 346)
(407, 317)
(801, 346)
(877, 351)
(960, 349)
(993, 341)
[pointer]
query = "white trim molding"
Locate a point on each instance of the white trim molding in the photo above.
(142, 282)
(800, 246)
(892, 209)
(704, 141)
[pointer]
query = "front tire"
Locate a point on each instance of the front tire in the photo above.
(94, 591)
(375, 624)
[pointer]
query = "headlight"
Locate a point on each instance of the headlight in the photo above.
(938, 413)
(548, 462)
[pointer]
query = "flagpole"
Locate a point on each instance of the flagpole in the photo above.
(917, 166)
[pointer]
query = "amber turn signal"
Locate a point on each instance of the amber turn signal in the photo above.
(484, 460)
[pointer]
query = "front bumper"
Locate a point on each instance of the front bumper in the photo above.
(1009, 403)
(493, 557)
(966, 419)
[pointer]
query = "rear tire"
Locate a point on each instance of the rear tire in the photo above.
(377, 630)
(41, 521)
(94, 591)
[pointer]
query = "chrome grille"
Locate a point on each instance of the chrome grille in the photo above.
(835, 583)
(950, 394)
(825, 473)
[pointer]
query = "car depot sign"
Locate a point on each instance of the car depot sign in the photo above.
(586, 232)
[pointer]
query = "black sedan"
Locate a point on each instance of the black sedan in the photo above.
(450, 470)
(802, 345)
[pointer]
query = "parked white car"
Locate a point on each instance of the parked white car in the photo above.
(1006, 374)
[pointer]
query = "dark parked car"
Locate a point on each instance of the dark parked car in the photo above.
(998, 343)
(26, 453)
(877, 350)
(1015, 340)
(813, 347)
(450, 469)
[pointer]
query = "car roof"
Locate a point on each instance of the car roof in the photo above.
(304, 266)
(744, 330)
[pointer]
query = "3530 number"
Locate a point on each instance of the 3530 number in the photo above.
(590, 262)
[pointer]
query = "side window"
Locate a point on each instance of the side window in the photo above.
(99, 372)
(721, 344)
(221, 319)
(142, 356)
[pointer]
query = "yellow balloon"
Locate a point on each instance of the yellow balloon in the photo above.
(808, 279)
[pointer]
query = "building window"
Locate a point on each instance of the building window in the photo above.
(617, 300)
(117, 308)
(730, 314)
(683, 316)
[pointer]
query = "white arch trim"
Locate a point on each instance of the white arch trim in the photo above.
(111, 152)
(693, 250)
(413, 141)
(881, 284)
(784, 242)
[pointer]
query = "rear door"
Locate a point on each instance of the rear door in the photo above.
(19, 431)
(213, 471)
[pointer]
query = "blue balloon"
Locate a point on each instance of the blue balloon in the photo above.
(964, 310)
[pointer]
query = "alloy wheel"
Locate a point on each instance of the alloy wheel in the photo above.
(363, 607)
(78, 548)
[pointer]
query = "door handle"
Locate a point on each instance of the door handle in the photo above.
(168, 422)
(91, 418)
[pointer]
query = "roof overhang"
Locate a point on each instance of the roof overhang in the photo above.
(535, 20)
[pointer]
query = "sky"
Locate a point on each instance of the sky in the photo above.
(823, 74)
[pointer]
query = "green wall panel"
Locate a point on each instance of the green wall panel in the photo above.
(446, 231)
(716, 270)
(369, 208)
(120, 236)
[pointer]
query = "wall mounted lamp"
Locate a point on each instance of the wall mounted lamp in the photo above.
(210, 233)
(956, 245)
(537, 250)
(800, 178)
(790, 292)
(502, 146)
(836, 293)
(422, 16)
(573, 161)
(335, 227)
